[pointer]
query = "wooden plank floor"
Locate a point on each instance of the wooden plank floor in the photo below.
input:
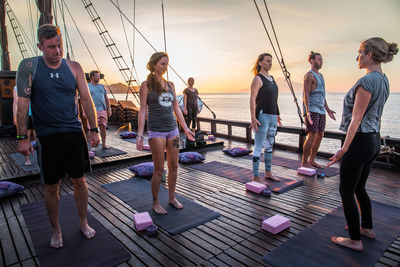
(234, 239)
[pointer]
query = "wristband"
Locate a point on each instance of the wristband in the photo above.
(94, 130)
(22, 137)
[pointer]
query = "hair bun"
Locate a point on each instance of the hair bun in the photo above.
(393, 50)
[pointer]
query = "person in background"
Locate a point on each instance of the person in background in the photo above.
(315, 106)
(191, 108)
(102, 104)
(361, 120)
(158, 98)
(264, 113)
(49, 83)
(30, 132)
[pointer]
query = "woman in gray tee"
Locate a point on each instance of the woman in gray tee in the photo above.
(361, 120)
(158, 99)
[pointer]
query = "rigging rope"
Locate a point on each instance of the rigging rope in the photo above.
(148, 42)
(280, 59)
(29, 7)
(165, 38)
(130, 54)
(87, 47)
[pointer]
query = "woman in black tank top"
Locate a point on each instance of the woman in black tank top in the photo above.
(163, 138)
(191, 108)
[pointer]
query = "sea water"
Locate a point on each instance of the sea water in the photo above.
(237, 107)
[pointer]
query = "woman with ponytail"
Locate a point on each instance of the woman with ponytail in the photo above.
(158, 98)
(361, 120)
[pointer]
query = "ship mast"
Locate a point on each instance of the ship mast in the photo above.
(44, 7)
(5, 56)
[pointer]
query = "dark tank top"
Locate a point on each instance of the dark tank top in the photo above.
(191, 101)
(161, 115)
(53, 100)
(267, 97)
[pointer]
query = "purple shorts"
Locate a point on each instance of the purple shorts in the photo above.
(166, 135)
(318, 123)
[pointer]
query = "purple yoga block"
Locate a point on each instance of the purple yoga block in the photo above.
(91, 154)
(146, 147)
(142, 221)
(306, 171)
(210, 137)
(255, 187)
(275, 224)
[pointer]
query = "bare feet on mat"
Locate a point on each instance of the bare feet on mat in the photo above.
(306, 164)
(177, 205)
(106, 147)
(28, 163)
(56, 240)
(159, 209)
(269, 175)
(348, 243)
(370, 233)
(87, 231)
(258, 180)
(316, 165)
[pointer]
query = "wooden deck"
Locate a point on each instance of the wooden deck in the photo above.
(234, 239)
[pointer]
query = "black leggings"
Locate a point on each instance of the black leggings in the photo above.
(354, 170)
(191, 117)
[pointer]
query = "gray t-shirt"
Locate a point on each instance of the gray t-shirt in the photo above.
(161, 115)
(378, 85)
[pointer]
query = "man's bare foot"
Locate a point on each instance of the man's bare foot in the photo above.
(28, 163)
(174, 202)
(56, 240)
(348, 243)
(272, 177)
(258, 180)
(370, 233)
(87, 231)
(306, 164)
(314, 164)
(159, 209)
(106, 147)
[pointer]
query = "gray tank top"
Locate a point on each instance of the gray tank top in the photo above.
(317, 96)
(161, 115)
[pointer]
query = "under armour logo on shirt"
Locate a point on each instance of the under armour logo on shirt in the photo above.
(56, 75)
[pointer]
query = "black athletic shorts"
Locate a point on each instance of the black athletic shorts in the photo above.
(61, 154)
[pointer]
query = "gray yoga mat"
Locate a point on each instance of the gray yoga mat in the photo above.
(100, 152)
(102, 250)
(20, 161)
(313, 246)
(136, 192)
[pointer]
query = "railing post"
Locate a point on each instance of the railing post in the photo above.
(230, 130)
(213, 128)
(302, 138)
(248, 135)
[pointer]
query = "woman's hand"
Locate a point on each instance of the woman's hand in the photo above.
(185, 111)
(139, 142)
(189, 134)
(279, 121)
(335, 158)
(254, 125)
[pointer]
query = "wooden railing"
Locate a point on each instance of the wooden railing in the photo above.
(248, 138)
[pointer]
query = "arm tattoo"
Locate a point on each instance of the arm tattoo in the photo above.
(25, 74)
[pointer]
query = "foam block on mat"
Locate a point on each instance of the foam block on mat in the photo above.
(91, 154)
(267, 192)
(142, 220)
(276, 224)
(306, 171)
(210, 137)
(255, 187)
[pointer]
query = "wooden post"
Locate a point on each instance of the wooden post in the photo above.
(5, 57)
(248, 135)
(230, 131)
(213, 128)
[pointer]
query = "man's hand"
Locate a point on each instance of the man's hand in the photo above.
(185, 111)
(109, 112)
(94, 139)
(331, 114)
(25, 147)
(309, 118)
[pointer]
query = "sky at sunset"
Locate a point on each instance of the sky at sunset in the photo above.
(218, 41)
